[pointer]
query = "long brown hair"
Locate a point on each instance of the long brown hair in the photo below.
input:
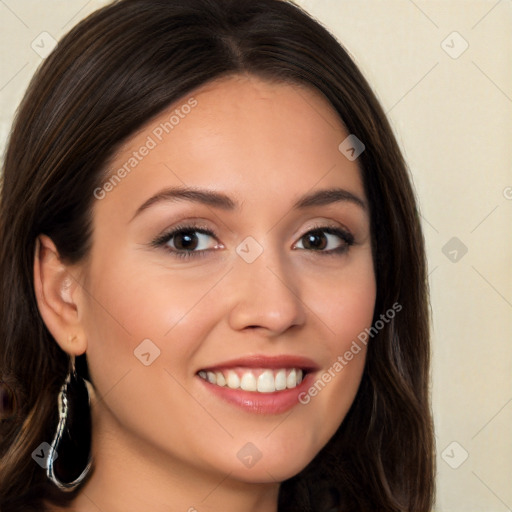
(111, 74)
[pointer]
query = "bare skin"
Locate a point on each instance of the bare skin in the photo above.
(162, 441)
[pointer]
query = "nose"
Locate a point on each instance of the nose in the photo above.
(265, 294)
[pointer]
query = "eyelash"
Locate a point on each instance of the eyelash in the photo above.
(162, 240)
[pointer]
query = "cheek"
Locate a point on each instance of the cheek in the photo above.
(344, 301)
(345, 307)
(126, 307)
(145, 300)
(143, 329)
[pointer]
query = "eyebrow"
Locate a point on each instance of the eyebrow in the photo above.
(222, 201)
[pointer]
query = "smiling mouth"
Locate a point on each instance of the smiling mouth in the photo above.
(257, 380)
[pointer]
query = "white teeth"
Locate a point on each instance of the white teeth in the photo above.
(221, 381)
(268, 381)
(291, 380)
(232, 380)
(248, 382)
(281, 380)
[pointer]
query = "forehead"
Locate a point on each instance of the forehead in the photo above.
(257, 139)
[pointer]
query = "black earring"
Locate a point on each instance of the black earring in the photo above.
(69, 459)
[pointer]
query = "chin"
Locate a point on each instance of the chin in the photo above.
(272, 468)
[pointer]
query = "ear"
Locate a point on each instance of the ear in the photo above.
(57, 291)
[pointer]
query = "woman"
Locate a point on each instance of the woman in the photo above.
(213, 274)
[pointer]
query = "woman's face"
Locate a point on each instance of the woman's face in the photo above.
(217, 253)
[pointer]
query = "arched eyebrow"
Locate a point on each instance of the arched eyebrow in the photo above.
(328, 196)
(221, 201)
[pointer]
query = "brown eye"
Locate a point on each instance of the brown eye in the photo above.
(188, 241)
(327, 240)
(185, 240)
(315, 240)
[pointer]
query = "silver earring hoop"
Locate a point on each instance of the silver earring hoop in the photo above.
(69, 458)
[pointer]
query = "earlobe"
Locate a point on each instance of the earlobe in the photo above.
(57, 292)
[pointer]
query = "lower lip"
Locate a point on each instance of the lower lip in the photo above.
(277, 402)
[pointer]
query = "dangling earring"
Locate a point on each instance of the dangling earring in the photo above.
(69, 459)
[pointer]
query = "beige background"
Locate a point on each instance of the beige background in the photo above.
(452, 113)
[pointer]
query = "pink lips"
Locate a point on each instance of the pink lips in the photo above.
(276, 402)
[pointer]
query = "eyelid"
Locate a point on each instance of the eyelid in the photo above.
(327, 224)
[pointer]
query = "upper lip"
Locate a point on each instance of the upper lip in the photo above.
(263, 361)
